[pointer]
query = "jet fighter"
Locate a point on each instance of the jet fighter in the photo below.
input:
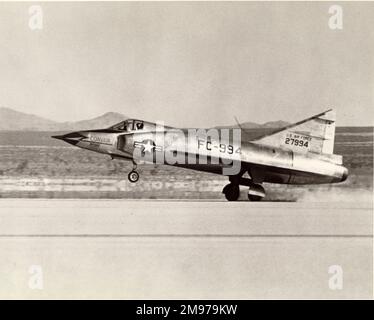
(300, 153)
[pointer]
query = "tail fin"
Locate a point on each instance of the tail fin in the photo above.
(315, 134)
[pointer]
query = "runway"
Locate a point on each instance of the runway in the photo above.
(173, 249)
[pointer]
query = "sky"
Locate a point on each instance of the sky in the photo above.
(189, 64)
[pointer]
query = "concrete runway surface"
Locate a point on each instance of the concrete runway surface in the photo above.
(187, 250)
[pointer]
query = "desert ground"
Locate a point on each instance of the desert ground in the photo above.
(130, 249)
(33, 165)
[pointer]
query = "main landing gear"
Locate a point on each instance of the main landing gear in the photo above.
(232, 190)
(133, 176)
(256, 192)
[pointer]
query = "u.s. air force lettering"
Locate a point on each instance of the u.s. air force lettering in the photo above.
(297, 140)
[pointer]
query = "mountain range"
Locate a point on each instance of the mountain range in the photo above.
(12, 120)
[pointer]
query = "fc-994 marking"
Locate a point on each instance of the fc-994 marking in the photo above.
(221, 147)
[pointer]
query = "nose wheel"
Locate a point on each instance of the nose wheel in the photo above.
(133, 176)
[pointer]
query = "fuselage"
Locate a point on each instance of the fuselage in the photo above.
(139, 140)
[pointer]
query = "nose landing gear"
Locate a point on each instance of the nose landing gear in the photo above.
(133, 176)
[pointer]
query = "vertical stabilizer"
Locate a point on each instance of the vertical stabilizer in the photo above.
(315, 134)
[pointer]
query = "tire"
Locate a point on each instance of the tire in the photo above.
(256, 192)
(133, 176)
(231, 192)
(254, 198)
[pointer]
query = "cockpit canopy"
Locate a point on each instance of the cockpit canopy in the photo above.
(129, 125)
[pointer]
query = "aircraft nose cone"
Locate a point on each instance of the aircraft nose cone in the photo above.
(72, 138)
(58, 137)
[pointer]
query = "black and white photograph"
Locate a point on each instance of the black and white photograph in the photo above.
(186, 150)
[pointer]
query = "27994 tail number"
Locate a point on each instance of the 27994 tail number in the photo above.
(297, 142)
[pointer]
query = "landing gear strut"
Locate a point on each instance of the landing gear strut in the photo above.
(133, 175)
